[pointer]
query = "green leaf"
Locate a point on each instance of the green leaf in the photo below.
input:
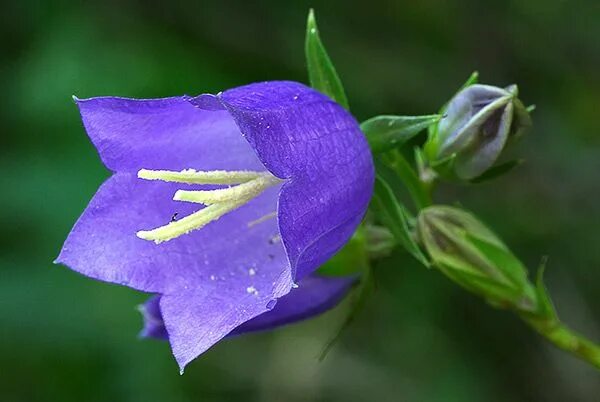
(386, 132)
(394, 215)
(352, 259)
(321, 73)
(497, 171)
(360, 296)
(396, 162)
(544, 303)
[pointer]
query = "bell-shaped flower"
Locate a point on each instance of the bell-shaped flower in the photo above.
(223, 206)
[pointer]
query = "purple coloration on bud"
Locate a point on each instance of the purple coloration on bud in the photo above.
(478, 123)
(466, 251)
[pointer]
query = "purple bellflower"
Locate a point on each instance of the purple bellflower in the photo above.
(223, 206)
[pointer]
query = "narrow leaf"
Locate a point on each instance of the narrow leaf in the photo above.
(397, 163)
(394, 215)
(545, 306)
(360, 296)
(387, 132)
(321, 73)
(473, 79)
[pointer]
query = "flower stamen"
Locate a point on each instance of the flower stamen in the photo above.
(191, 176)
(218, 202)
(247, 190)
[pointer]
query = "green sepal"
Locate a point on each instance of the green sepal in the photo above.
(473, 79)
(321, 72)
(397, 219)
(386, 132)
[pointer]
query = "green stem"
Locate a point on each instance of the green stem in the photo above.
(564, 338)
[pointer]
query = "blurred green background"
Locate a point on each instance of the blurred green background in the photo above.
(66, 338)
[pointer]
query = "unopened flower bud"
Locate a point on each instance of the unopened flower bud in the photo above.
(477, 125)
(471, 255)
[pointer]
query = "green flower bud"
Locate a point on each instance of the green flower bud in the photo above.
(471, 255)
(477, 125)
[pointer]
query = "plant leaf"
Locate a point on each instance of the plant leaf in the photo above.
(394, 215)
(545, 306)
(386, 132)
(395, 162)
(360, 296)
(321, 73)
(473, 79)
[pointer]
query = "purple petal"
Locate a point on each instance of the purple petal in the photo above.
(103, 244)
(313, 296)
(301, 134)
(215, 279)
(154, 327)
(164, 133)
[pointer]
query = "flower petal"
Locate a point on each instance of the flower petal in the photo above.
(300, 134)
(154, 327)
(198, 317)
(313, 296)
(103, 244)
(168, 133)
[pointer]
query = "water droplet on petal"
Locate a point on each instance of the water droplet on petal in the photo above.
(212, 277)
(271, 304)
(251, 272)
(252, 290)
(294, 285)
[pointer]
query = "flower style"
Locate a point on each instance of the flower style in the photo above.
(221, 205)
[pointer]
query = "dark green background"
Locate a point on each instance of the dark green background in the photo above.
(66, 338)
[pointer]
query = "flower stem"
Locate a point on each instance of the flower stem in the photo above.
(566, 339)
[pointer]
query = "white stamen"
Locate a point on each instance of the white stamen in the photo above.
(219, 202)
(246, 190)
(185, 225)
(192, 176)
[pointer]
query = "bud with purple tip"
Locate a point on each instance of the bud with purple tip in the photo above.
(478, 123)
